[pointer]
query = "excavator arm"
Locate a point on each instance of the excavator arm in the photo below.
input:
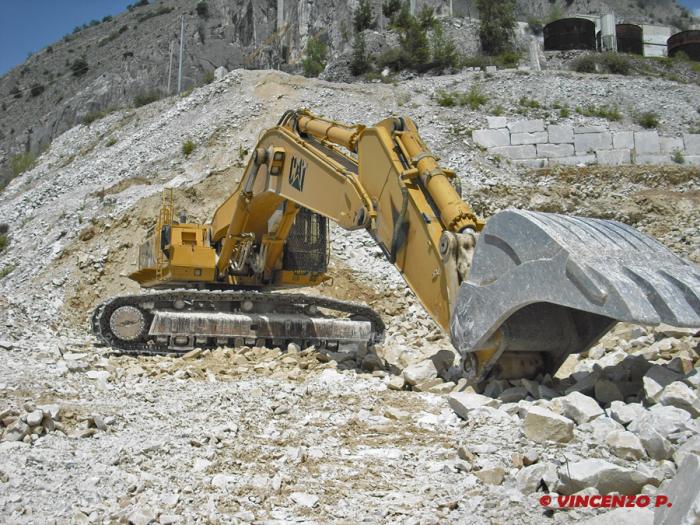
(517, 294)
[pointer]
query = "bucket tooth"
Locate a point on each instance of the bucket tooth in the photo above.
(555, 284)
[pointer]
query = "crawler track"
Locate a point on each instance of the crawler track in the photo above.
(210, 306)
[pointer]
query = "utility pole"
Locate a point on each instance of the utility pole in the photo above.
(182, 48)
(170, 66)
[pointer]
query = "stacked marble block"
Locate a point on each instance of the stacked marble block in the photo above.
(531, 143)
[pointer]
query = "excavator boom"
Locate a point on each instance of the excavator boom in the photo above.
(517, 294)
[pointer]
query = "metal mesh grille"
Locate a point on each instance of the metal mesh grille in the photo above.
(307, 244)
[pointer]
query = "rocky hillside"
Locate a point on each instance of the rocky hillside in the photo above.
(124, 61)
(293, 435)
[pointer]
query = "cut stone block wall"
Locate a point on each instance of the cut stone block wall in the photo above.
(532, 143)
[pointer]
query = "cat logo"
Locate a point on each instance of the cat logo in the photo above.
(297, 173)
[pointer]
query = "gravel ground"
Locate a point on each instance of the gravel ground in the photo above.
(301, 436)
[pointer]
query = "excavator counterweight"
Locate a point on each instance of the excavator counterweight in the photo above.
(517, 294)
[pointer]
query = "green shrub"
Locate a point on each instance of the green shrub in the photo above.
(479, 61)
(585, 64)
(315, 60)
(4, 241)
(474, 98)
(393, 58)
(360, 62)
(508, 59)
(363, 17)
(208, 77)
(426, 17)
(93, 116)
(147, 98)
(607, 112)
(648, 120)
(163, 10)
(529, 103)
(21, 163)
(414, 43)
(36, 89)
(6, 271)
(536, 25)
(447, 99)
(443, 49)
(202, 9)
(678, 157)
(79, 67)
(111, 141)
(390, 8)
(616, 63)
(187, 148)
(497, 25)
(564, 112)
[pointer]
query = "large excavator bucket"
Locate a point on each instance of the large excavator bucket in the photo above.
(543, 286)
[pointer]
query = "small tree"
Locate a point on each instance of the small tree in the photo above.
(202, 9)
(315, 60)
(360, 62)
(444, 51)
(36, 89)
(364, 16)
(414, 43)
(426, 17)
(402, 20)
(79, 67)
(390, 8)
(497, 29)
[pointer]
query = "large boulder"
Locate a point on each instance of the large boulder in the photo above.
(654, 443)
(420, 372)
(578, 407)
(528, 479)
(665, 419)
(541, 425)
(625, 445)
(679, 395)
(655, 380)
(603, 476)
(684, 495)
(464, 402)
(625, 413)
(692, 446)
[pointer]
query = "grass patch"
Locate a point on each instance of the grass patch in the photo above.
(648, 120)
(21, 163)
(603, 62)
(160, 11)
(607, 112)
(93, 116)
(111, 141)
(7, 270)
(474, 98)
(678, 157)
(187, 148)
(4, 241)
(529, 103)
(147, 98)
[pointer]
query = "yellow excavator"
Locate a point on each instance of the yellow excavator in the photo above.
(517, 294)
